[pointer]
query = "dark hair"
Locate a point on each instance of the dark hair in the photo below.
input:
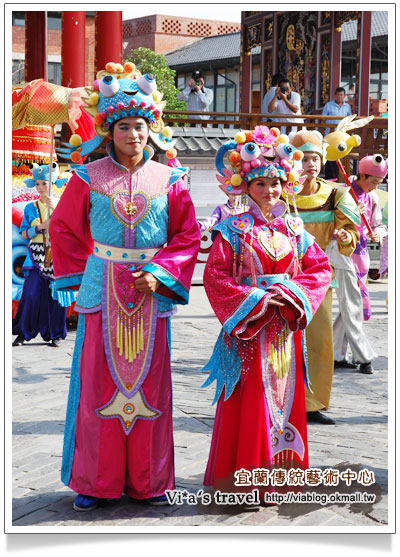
(340, 90)
(284, 80)
(366, 176)
(276, 79)
(197, 74)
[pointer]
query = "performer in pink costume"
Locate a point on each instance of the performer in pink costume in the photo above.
(126, 233)
(233, 206)
(265, 278)
(372, 171)
(351, 273)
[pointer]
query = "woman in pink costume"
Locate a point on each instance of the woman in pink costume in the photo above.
(372, 171)
(265, 278)
(233, 206)
(125, 233)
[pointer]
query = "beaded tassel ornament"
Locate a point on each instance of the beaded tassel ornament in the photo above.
(252, 266)
(293, 186)
(130, 337)
(284, 459)
(279, 354)
(234, 270)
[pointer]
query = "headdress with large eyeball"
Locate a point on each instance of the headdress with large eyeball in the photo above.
(43, 173)
(374, 165)
(121, 92)
(252, 154)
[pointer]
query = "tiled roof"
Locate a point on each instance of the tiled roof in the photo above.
(201, 141)
(221, 47)
(379, 27)
(218, 47)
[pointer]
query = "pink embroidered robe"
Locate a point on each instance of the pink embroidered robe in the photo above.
(360, 256)
(259, 361)
(109, 223)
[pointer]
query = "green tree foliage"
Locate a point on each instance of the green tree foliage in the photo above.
(148, 61)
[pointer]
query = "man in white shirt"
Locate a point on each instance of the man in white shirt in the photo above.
(197, 97)
(269, 95)
(286, 101)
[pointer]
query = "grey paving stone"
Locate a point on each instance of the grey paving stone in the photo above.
(40, 391)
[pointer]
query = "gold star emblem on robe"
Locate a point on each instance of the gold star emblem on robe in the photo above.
(128, 409)
(130, 208)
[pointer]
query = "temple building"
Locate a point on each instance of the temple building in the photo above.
(317, 51)
(291, 45)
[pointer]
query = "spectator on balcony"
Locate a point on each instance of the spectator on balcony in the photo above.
(270, 94)
(197, 96)
(351, 93)
(286, 101)
(335, 107)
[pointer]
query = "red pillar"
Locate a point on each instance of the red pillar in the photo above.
(35, 45)
(73, 49)
(245, 83)
(245, 71)
(336, 60)
(365, 64)
(108, 38)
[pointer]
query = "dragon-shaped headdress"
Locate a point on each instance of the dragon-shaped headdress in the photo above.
(121, 92)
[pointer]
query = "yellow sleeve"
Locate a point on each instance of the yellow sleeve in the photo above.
(347, 216)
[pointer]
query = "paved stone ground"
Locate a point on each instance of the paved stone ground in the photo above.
(40, 385)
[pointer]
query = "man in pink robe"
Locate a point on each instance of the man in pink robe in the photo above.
(123, 220)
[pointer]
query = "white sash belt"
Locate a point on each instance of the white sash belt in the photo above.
(123, 255)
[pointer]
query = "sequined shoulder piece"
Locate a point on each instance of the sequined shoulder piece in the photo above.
(226, 232)
(81, 171)
(230, 229)
(176, 174)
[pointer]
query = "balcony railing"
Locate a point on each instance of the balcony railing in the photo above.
(374, 136)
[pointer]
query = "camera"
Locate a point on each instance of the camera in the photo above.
(197, 76)
(283, 89)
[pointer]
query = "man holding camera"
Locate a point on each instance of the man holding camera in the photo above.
(197, 97)
(286, 101)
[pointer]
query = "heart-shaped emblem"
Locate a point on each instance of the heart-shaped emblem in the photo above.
(240, 223)
(130, 211)
(294, 225)
(276, 245)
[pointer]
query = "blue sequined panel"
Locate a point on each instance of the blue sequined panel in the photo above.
(104, 226)
(107, 229)
(152, 231)
(90, 290)
(165, 305)
(224, 366)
